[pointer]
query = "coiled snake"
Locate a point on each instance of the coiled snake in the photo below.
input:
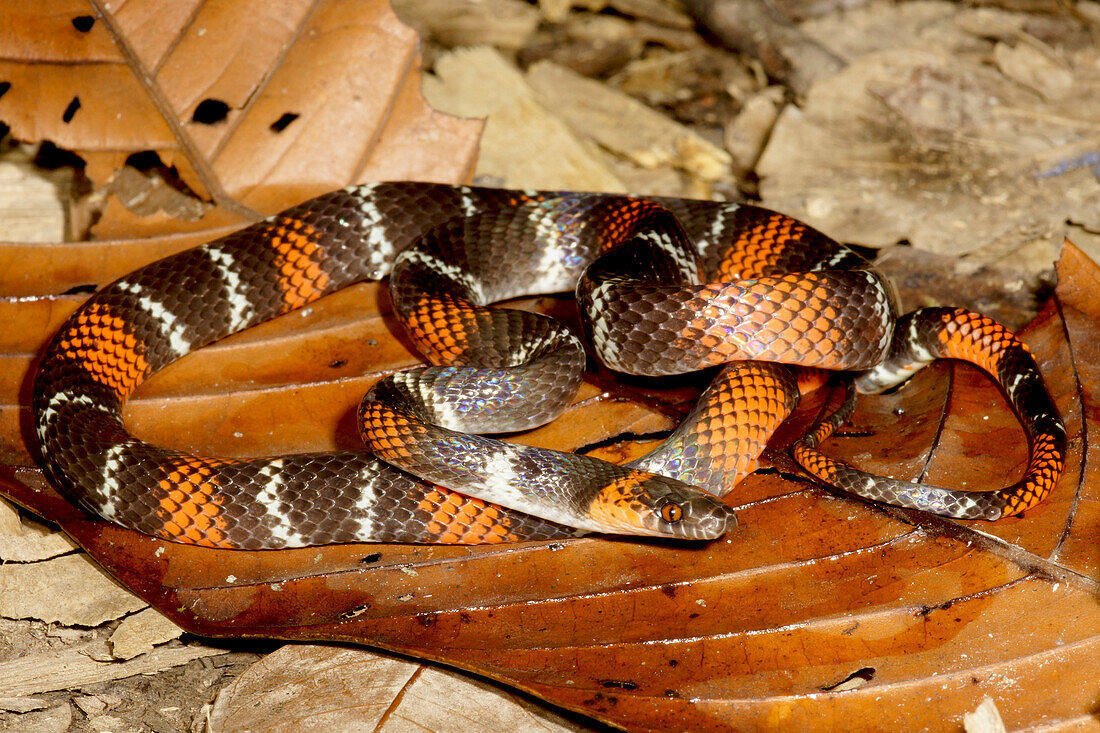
(665, 286)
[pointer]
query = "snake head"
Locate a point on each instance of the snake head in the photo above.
(643, 503)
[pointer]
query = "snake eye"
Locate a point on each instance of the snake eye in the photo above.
(671, 512)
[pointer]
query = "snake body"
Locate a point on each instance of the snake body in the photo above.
(664, 286)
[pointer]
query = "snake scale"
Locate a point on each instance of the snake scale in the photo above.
(664, 286)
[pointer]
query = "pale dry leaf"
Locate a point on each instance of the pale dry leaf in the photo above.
(984, 719)
(72, 667)
(316, 688)
(69, 590)
(22, 704)
(30, 208)
(1034, 67)
(625, 126)
(881, 152)
(503, 24)
(140, 632)
(56, 719)
(24, 540)
(524, 145)
(885, 26)
(746, 135)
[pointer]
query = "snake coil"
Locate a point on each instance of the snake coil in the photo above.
(665, 286)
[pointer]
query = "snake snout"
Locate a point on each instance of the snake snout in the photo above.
(706, 518)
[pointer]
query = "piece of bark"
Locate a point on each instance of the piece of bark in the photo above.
(757, 29)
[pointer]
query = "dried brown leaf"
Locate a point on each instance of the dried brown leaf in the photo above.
(749, 631)
(256, 105)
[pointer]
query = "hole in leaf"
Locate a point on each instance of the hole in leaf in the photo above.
(80, 290)
(4, 87)
(357, 611)
(145, 161)
(855, 680)
(135, 190)
(283, 122)
(210, 112)
(83, 23)
(51, 157)
(70, 111)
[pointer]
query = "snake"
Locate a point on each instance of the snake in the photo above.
(663, 286)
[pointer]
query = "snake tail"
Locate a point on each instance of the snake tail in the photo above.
(920, 338)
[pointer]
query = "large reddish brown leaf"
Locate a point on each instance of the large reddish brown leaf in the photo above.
(749, 631)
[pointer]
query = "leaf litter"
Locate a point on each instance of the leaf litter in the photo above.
(811, 590)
